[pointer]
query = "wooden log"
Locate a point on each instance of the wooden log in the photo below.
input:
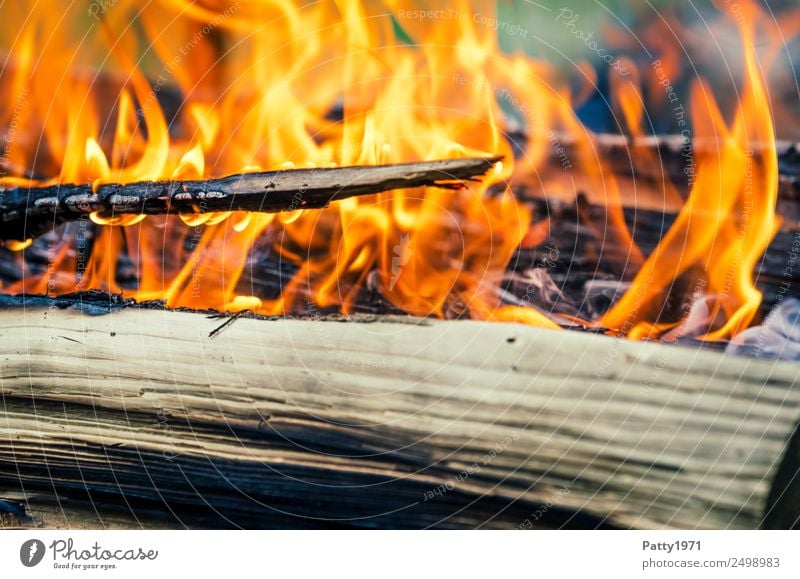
(577, 255)
(577, 251)
(675, 157)
(27, 212)
(390, 423)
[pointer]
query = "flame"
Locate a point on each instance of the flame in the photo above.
(173, 89)
(728, 220)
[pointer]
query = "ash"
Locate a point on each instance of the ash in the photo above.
(777, 338)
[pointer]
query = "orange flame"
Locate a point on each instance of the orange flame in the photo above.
(257, 84)
(728, 219)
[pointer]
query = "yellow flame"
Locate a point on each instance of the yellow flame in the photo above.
(257, 83)
(727, 221)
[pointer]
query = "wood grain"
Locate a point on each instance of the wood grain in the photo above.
(392, 423)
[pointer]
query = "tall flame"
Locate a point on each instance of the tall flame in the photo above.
(728, 220)
(273, 84)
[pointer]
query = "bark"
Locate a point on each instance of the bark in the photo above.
(28, 212)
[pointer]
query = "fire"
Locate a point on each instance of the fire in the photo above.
(726, 223)
(272, 85)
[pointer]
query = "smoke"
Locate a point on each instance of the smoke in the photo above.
(778, 337)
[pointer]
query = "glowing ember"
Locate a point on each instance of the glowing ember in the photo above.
(259, 84)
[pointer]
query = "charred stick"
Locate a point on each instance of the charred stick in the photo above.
(27, 212)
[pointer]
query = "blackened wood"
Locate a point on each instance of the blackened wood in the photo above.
(577, 252)
(673, 157)
(28, 212)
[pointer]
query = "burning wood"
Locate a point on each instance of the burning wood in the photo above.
(638, 434)
(493, 421)
(26, 212)
(671, 157)
(435, 254)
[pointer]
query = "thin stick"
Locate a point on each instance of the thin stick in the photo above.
(27, 212)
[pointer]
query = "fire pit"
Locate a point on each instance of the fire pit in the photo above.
(364, 264)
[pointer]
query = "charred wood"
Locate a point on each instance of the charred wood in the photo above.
(28, 212)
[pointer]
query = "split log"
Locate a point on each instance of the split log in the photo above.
(674, 157)
(27, 212)
(393, 423)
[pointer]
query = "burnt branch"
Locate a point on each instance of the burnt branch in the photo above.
(28, 212)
